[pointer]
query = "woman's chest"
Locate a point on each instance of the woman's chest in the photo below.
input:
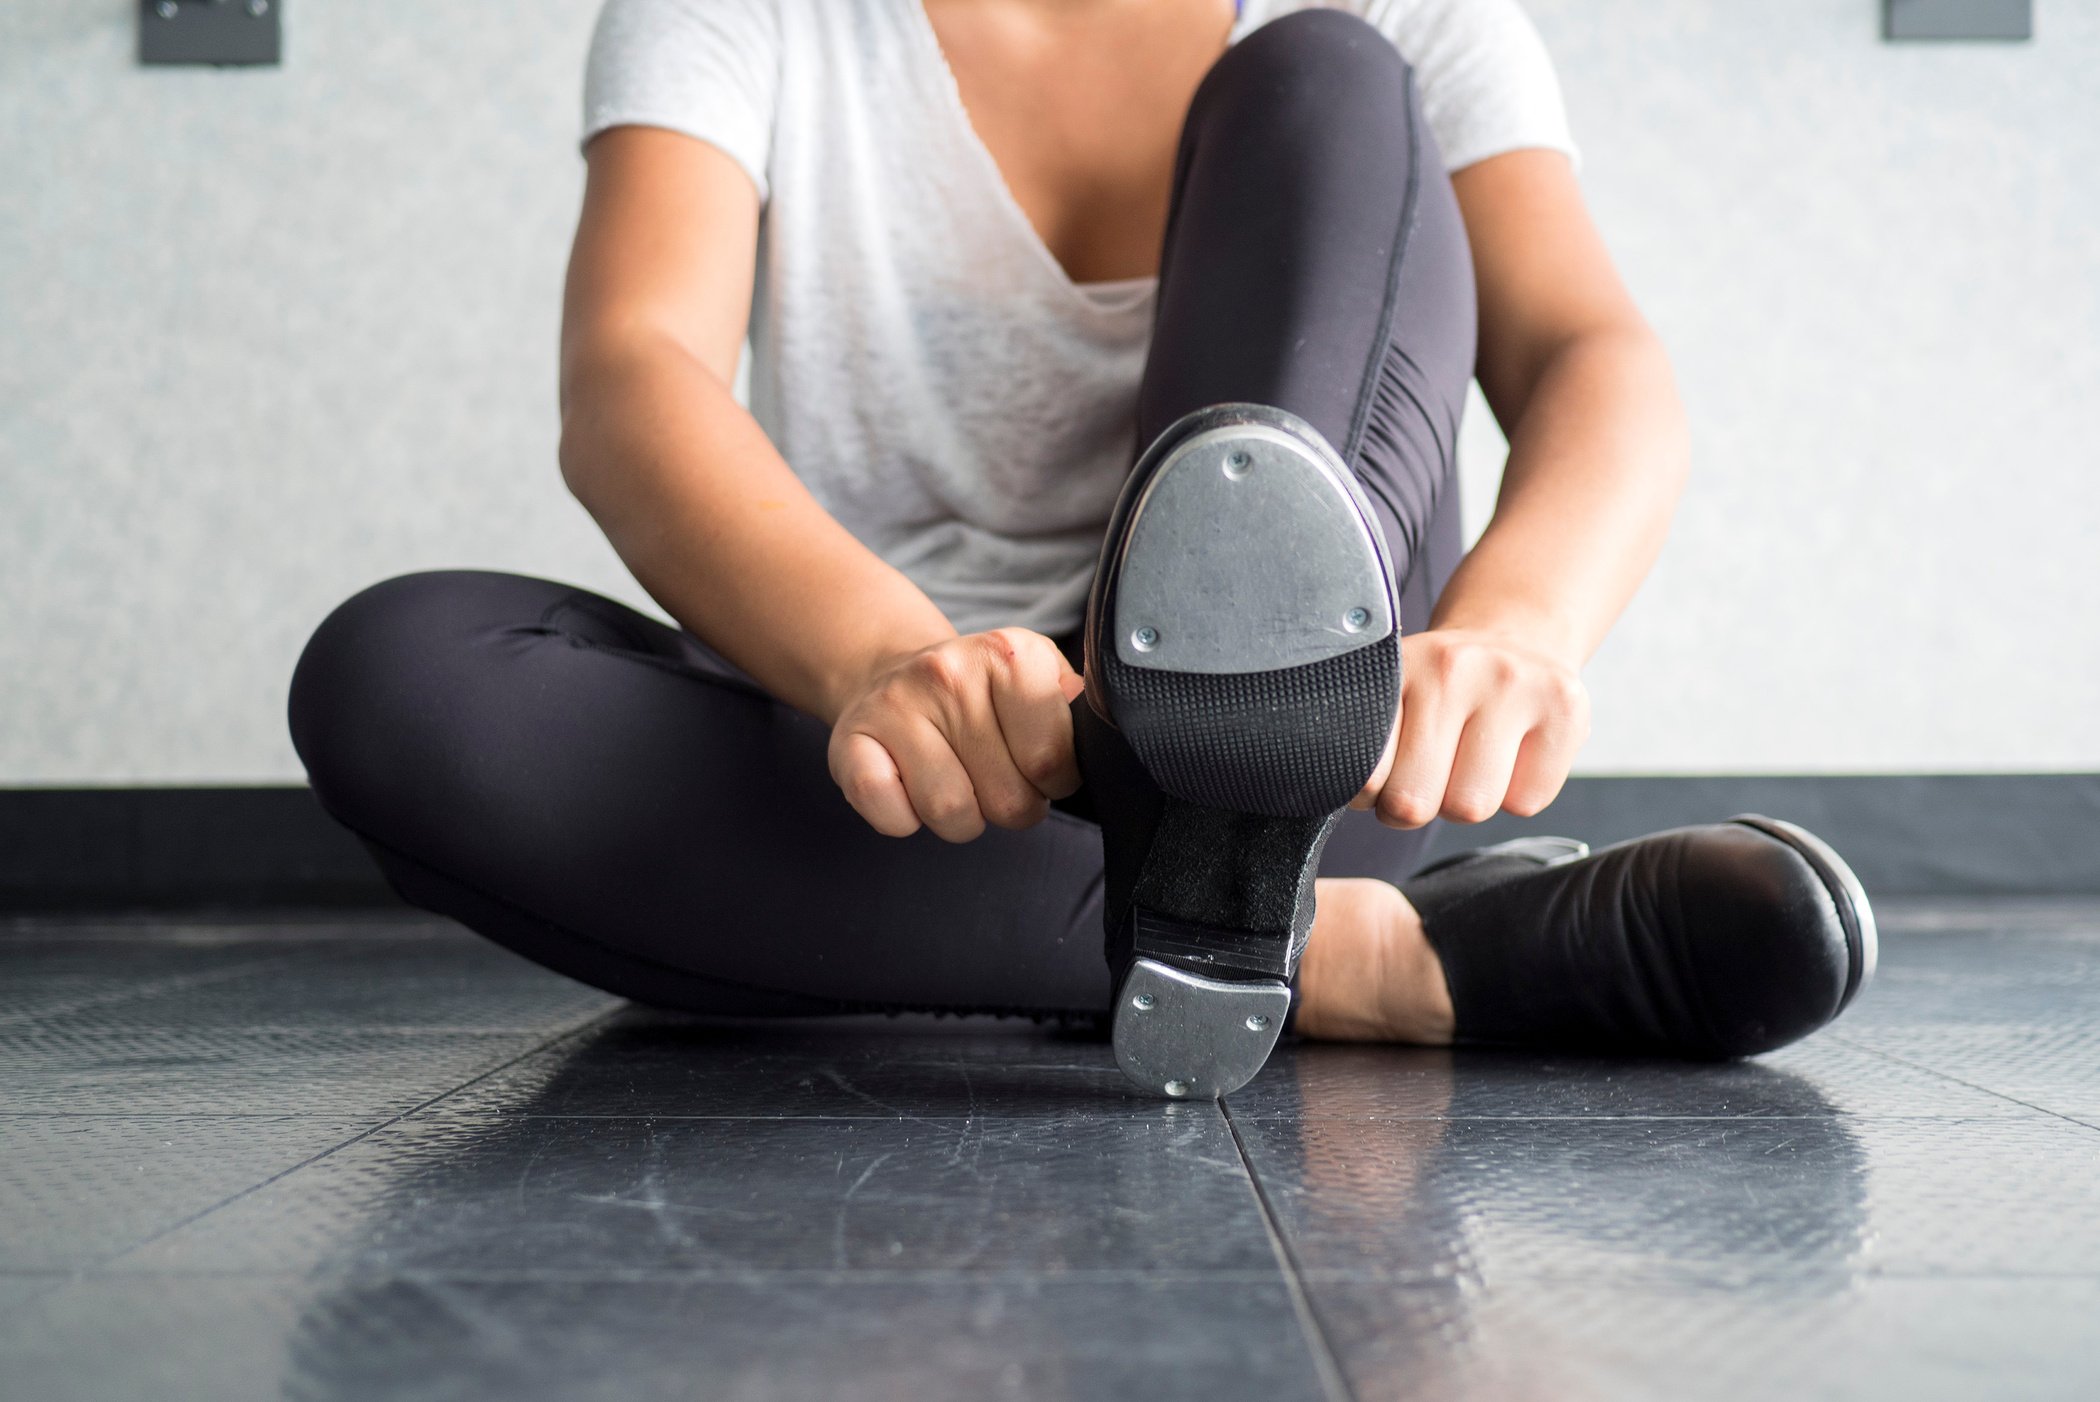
(1080, 110)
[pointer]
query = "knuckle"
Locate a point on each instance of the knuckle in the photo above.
(943, 670)
(1060, 781)
(1468, 808)
(1405, 807)
(1013, 809)
(1565, 691)
(1039, 767)
(995, 652)
(948, 805)
(1015, 654)
(961, 831)
(1010, 644)
(1525, 805)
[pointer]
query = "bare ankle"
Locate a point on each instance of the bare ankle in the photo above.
(1369, 974)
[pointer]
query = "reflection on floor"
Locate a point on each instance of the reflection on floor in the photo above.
(379, 1158)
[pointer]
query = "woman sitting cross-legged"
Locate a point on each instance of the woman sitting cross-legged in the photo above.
(1087, 564)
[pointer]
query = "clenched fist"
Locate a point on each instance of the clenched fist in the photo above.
(972, 730)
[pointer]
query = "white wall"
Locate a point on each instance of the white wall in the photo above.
(265, 337)
(1878, 267)
(268, 336)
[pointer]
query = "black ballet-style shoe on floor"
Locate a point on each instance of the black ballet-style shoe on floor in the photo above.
(1708, 942)
(1242, 662)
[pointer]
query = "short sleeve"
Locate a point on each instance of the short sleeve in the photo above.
(1486, 82)
(708, 68)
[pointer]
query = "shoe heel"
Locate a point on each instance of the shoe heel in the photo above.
(1216, 921)
(1244, 642)
(1185, 1036)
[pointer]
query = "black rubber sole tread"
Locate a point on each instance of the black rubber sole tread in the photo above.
(1297, 742)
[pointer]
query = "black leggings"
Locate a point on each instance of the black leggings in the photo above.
(603, 794)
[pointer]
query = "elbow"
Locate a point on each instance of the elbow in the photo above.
(574, 458)
(1673, 427)
(1659, 440)
(582, 449)
(1630, 358)
(614, 375)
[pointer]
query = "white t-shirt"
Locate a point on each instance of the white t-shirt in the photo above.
(917, 354)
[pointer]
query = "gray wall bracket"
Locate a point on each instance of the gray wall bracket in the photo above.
(1957, 19)
(210, 31)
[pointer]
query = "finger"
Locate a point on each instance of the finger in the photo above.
(1034, 715)
(1367, 797)
(1430, 724)
(1482, 765)
(1003, 796)
(935, 777)
(869, 778)
(1543, 762)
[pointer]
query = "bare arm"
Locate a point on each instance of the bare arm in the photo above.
(1597, 439)
(1492, 707)
(928, 727)
(681, 479)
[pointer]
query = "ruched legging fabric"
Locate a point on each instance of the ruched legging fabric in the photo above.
(603, 794)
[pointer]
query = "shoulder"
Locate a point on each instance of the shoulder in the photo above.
(685, 21)
(1441, 36)
(1455, 31)
(666, 35)
(708, 68)
(1487, 83)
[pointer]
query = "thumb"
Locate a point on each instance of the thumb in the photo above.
(1069, 682)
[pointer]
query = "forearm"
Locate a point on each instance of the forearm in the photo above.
(723, 535)
(1597, 460)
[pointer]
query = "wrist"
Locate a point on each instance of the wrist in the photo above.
(853, 673)
(1534, 630)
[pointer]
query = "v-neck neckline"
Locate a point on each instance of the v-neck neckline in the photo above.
(1107, 297)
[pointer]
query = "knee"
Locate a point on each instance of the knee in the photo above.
(369, 687)
(1318, 64)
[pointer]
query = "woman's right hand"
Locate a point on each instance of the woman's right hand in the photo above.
(972, 730)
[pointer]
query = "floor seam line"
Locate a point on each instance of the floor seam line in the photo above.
(1326, 1364)
(1972, 1085)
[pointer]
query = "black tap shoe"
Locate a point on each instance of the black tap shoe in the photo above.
(1242, 661)
(1706, 942)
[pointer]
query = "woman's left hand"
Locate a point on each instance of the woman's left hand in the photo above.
(1486, 724)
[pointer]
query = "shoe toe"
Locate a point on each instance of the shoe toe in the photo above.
(1773, 961)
